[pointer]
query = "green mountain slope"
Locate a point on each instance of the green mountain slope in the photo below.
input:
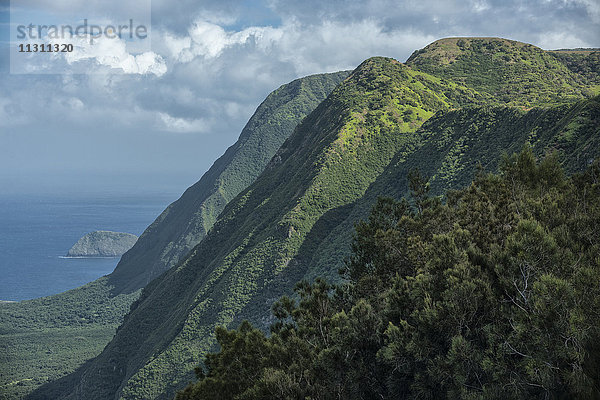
(507, 71)
(329, 161)
(582, 62)
(44, 339)
(452, 146)
(185, 222)
(357, 144)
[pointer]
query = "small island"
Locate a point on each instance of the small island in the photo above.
(103, 244)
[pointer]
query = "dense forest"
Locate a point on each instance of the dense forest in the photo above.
(493, 293)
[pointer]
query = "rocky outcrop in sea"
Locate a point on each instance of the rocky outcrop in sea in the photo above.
(103, 244)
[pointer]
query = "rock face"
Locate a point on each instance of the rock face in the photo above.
(103, 244)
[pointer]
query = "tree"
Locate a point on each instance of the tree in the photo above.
(494, 294)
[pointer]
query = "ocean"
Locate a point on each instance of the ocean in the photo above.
(36, 231)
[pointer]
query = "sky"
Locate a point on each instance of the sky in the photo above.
(112, 115)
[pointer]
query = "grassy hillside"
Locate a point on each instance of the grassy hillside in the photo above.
(582, 62)
(185, 222)
(452, 146)
(292, 221)
(329, 161)
(44, 339)
(509, 72)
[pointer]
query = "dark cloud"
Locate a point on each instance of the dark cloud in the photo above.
(541, 22)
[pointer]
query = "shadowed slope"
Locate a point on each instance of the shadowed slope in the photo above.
(185, 222)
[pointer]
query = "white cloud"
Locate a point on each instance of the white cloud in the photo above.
(175, 45)
(342, 45)
(75, 103)
(308, 49)
(592, 7)
(183, 125)
(480, 5)
(560, 40)
(112, 53)
(212, 64)
(207, 39)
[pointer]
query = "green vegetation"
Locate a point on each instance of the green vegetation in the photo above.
(185, 222)
(295, 220)
(31, 358)
(451, 146)
(492, 295)
(509, 72)
(329, 161)
(44, 339)
(584, 63)
(43, 336)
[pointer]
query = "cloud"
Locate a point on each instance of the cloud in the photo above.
(515, 19)
(111, 52)
(207, 39)
(591, 6)
(175, 45)
(328, 46)
(559, 40)
(480, 6)
(11, 113)
(75, 103)
(120, 10)
(183, 125)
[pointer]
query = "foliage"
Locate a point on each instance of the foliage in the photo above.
(584, 63)
(451, 147)
(508, 72)
(34, 357)
(329, 161)
(47, 338)
(492, 295)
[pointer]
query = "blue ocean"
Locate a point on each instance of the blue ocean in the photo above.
(36, 231)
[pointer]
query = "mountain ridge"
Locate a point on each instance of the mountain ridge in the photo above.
(178, 309)
(507, 71)
(185, 222)
(475, 130)
(94, 311)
